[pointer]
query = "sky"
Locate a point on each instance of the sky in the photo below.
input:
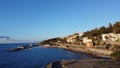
(43, 19)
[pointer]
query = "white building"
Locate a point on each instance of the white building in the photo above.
(73, 37)
(80, 34)
(88, 42)
(111, 37)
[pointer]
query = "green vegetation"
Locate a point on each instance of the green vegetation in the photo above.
(116, 55)
(115, 28)
(54, 40)
(107, 46)
(116, 52)
(96, 33)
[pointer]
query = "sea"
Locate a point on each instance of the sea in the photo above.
(37, 57)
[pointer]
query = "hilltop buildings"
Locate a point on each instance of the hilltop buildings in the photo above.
(111, 37)
(77, 38)
(73, 37)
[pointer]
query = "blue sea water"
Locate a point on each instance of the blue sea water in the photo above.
(38, 57)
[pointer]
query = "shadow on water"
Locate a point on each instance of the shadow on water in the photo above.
(56, 64)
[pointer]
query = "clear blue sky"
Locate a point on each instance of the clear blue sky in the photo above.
(42, 19)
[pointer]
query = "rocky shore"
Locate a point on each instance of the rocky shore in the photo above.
(100, 53)
(85, 63)
(101, 58)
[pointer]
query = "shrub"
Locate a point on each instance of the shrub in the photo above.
(115, 55)
(108, 46)
(116, 47)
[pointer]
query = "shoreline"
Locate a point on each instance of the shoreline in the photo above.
(95, 53)
(96, 57)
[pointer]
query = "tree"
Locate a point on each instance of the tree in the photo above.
(110, 28)
(116, 27)
(103, 30)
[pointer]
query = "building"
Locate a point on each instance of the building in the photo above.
(73, 37)
(111, 37)
(87, 42)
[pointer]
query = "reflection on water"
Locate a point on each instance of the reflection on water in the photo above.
(35, 58)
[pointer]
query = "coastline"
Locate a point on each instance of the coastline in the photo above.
(96, 53)
(96, 62)
(99, 56)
